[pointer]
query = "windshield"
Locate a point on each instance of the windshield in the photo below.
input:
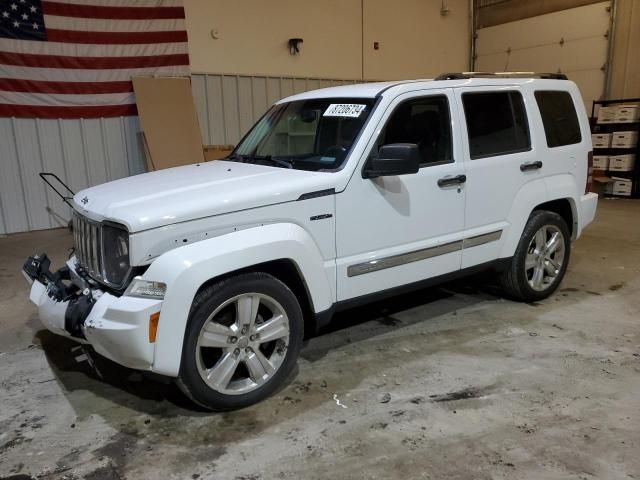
(314, 134)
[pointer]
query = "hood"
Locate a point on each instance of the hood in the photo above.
(186, 193)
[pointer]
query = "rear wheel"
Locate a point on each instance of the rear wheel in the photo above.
(242, 341)
(541, 258)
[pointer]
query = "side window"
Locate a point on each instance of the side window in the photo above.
(424, 121)
(559, 118)
(496, 123)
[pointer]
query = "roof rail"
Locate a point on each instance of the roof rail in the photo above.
(465, 75)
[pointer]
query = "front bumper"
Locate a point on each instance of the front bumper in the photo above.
(116, 327)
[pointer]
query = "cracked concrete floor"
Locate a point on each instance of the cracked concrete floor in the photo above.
(451, 382)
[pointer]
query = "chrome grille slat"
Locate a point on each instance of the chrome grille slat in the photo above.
(87, 246)
(88, 243)
(79, 244)
(83, 241)
(93, 248)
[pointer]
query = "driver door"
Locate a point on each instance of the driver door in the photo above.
(396, 230)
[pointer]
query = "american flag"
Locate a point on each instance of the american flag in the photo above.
(76, 58)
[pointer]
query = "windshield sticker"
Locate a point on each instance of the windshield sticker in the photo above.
(344, 110)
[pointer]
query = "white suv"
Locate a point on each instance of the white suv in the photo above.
(210, 273)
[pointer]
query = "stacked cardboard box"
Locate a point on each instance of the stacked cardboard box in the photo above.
(619, 186)
(601, 140)
(627, 113)
(627, 139)
(607, 114)
(622, 163)
(600, 162)
(624, 113)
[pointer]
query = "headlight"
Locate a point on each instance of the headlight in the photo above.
(146, 289)
(115, 243)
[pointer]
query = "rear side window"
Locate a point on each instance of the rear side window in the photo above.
(496, 123)
(559, 118)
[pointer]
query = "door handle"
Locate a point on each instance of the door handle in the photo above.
(531, 166)
(452, 180)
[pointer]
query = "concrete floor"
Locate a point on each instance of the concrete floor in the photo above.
(451, 382)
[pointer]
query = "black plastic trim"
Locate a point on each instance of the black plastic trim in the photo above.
(317, 194)
(396, 84)
(323, 318)
(467, 75)
(426, 283)
(321, 217)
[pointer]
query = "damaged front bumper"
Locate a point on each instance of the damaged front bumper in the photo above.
(117, 327)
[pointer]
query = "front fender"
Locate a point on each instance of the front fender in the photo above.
(184, 270)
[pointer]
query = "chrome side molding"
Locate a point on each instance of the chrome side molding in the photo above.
(422, 254)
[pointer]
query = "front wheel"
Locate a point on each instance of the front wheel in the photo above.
(242, 341)
(541, 258)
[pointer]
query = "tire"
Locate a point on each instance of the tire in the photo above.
(520, 280)
(215, 342)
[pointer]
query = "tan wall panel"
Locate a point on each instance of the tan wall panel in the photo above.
(415, 40)
(254, 34)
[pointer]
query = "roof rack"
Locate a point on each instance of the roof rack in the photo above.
(465, 75)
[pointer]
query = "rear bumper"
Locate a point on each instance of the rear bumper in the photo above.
(588, 205)
(116, 327)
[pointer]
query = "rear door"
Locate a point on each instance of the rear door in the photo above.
(500, 160)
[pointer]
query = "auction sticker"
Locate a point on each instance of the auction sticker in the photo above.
(344, 110)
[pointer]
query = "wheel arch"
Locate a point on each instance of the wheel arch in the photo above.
(566, 208)
(287, 271)
(286, 251)
(553, 194)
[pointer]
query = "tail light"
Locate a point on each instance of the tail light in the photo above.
(589, 186)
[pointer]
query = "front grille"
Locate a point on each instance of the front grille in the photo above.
(102, 249)
(87, 239)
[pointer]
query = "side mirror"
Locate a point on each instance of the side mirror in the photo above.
(394, 159)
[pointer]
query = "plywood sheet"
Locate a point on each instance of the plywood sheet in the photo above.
(169, 121)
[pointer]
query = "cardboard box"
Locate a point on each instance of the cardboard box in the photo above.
(600, 162)
(627, 113)
(621, 186)
(622, 163)
(216, 152)
(606, 114)
(624, 139)
(601, 140)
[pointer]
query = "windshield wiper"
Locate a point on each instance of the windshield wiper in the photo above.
(275, 161)
(235, 157)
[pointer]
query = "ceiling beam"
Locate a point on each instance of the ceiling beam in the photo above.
(491, 12)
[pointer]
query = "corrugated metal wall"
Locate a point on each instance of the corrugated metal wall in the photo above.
(228, 105)
(89, 152)
(80, 152)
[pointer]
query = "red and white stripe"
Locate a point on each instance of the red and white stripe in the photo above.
(93, 49)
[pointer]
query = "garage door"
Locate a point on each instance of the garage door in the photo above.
(571, 41)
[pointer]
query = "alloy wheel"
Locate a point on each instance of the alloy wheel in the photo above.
(545, 257)
(242, 344)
